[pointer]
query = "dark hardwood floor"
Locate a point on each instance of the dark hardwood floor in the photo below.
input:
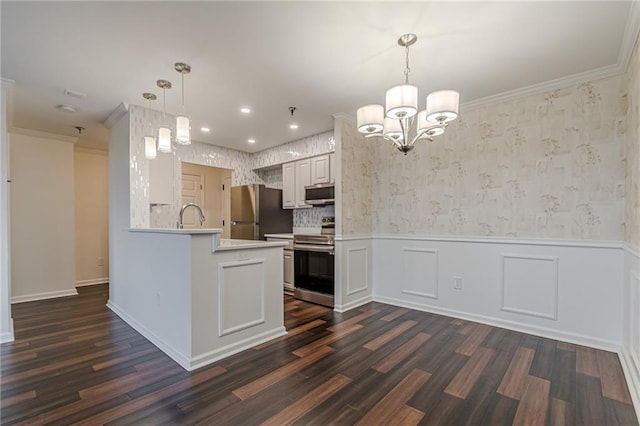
(75, 362)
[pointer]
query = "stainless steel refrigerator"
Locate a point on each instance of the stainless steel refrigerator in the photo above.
(257, 210)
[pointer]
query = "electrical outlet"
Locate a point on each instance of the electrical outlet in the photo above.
(101, 261)
(457, 283)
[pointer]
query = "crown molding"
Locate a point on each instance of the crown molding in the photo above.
(86, 150)
(344, 117)
(44, 135)
(120, 111)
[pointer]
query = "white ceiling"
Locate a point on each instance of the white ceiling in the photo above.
(322, 57)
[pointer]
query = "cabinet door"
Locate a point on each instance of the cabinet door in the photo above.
(320, 169)
(288, 186)
(303, 178)
(288, 270)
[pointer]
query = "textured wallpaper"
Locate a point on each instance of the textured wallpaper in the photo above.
(543, 166)
(632, 202)
(311, 146)
(355, 181)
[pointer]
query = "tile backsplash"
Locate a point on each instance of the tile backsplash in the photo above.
(311, 218)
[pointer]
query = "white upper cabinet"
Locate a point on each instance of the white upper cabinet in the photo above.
(289, 185)
(303, 178)
(320, 169)
(161, 179)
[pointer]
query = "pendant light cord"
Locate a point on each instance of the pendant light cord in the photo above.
(182, 93)
(407, 70)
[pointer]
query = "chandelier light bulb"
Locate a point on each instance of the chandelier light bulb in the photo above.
(402, 101)
(370, 119)
(442, 106)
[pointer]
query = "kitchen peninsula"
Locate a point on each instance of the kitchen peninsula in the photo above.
(198, 297)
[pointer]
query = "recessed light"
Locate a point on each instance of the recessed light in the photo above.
(205, 129)
(66, 108)
(245, 110)
(251, 140)
(293, 126)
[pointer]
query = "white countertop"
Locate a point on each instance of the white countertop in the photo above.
(178, 231)
(284, 236)
(227, 244)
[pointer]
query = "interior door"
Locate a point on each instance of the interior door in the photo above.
(192, 189)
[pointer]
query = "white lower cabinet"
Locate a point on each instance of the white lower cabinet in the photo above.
(289, 273)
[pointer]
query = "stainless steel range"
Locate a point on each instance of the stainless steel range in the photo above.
(314, 265)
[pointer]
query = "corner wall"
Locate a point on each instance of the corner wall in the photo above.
(6, 322)
(42, 216)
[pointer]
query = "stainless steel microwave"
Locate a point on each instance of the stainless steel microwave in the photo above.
(321, 194)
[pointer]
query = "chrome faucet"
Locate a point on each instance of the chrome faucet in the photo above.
(182, 212)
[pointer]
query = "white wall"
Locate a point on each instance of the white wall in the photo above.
(91, 190)
(42, 216)
(6, 322)
(566, 291)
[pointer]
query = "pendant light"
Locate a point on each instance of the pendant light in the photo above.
(150, 140)
(164, 132)
(183, 126)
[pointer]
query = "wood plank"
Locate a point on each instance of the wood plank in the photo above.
(385, 410)
(532, 410)
(462, 383)
(589, 403)
(385, 338)
(566, 346)
(264, 382)
(24, 396)
(514, 381)
(293, 332)
(407, 416)
(353, 320)
(313, 346)
(561, 413)
(146, 400)
(401, 353)
(612, 377)
(395, 314)
(474, 339)
(308, 401)
(586, 361)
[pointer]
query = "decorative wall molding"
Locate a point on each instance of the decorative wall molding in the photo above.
(529, 294)
(424, 273)
(518, 241)
(632, 250)
(579, 339)
(95, 151)
(43, 296)
(630, 37)
(43, 135)
(94, 281)
(247, 292)
(631, 368)
(358, 268)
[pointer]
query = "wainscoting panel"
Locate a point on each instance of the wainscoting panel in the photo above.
(421, 269)
(241, 284)
(530, 285)
(357, 270)
(630, 353)
(569, 291)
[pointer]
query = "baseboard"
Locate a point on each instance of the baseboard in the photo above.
(94, 281)
(352, 305)
(7, 336)
(177, 356)
(43, 296)
(220, 353)
(575, 338)
(631, 368)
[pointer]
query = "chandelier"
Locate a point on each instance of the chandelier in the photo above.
(395, 122)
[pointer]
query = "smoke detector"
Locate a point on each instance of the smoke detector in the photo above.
(75, 93)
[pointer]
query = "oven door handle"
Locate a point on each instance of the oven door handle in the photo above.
(316, 248)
